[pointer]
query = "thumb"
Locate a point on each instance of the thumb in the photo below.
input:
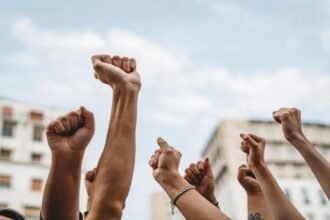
(208, 168)
(88, 117)
(162, 144)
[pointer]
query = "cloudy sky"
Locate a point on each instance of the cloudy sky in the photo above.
(201, 61)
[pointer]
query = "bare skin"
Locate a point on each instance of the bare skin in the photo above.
(165, 163)
(257, 206)
(200, 174)
(68, 137)
(279, 205)
(115, 168)
(89, 185)
(290, 120)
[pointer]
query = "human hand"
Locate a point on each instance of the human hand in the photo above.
(200, 174)
(165, 161)
(89, 182)
(290, 119)
(71, 132)
(118, 72)
(248, 181)
(254, 147)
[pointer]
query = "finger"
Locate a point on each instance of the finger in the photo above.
(276, 117)
(244, 147)
(153, 162)
(132, 64)
(191, 176)
(87, 118)
(106, 58)
(90, 175)
(74, 120)
(126, 64)
(50, 128)
(66, 123)
(116, 61)
(162, 144)
(201, 167)
(96, 75)
(208, 168)
(249, 140)
(194, 169)
(157, 153)
(257, 138)
(241, 172)
(58, 126)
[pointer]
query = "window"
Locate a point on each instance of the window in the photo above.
(287, 193)
(36, 157)
(36, 185)
(31, 212)
(3, 205)
(37, 132)
(5, 181)
(322, 198)
(8, 128)
(5, 154)
(36, 116)
(305, 196)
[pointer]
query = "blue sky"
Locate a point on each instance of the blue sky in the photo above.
(201, 61)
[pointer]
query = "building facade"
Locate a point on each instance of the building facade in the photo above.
(285, 162)
(25, 156)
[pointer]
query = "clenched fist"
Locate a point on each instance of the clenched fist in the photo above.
(118, 72)
(247, 179)
(165, 161)
(290, 119)
(71, 132)
(254, 147)
(200, 174)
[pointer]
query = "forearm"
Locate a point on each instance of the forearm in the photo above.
(61, 194)
(191, 204)
(318, 164)
(257, 206)
(279, 205)
(115, 168)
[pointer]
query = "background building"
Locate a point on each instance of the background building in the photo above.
(25, 156)
(286, 164)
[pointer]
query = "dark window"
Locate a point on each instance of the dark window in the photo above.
(37, 132)
(305, 196)
(36, 157)
(8, 128)
(5, 181)
(5, 154)
(36, 185)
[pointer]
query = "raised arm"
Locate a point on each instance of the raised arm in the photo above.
(290, 119)
(68, 137)
(280, 207)
(257, 206)
(193, 206)
(115, 168)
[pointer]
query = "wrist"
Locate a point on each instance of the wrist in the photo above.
(297, 139)
(126, 89)
(171, 182)
(256, 166)
(71, 157)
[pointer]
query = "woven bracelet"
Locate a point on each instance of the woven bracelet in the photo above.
(178, 194)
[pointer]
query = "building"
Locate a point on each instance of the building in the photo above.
(285, 162)
(25, 156)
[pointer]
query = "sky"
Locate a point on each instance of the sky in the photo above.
(201, 62)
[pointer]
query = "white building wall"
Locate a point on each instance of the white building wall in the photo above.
(20, 167)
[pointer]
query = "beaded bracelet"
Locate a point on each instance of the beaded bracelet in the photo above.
(178, 194)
